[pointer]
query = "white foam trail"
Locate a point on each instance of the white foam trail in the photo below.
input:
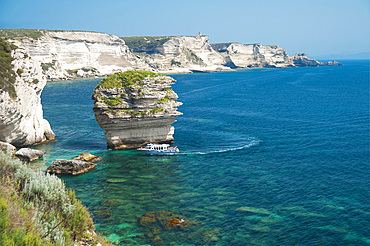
(253, 142)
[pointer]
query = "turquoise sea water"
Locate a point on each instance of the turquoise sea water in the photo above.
(268, 157)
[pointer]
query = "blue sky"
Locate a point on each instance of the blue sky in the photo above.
(320, 28)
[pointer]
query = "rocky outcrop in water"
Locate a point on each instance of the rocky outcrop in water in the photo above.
(330, 63)
(84, 156)
(73, 167)
(21, 115)
(136, 108)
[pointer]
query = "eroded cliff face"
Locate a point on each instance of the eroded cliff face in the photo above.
(301, 60)
(71, 54)
(263, 56)
(21, 117)
(136, 108)
(254, 55)
(181, 54)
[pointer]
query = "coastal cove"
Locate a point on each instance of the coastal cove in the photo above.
(268, 157)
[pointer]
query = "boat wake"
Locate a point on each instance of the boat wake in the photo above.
(253, 142)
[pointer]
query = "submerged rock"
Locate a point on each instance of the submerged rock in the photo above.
(164, 220)
(84, 156)
(253, 210)
(259, 228)
(28, 154)
(210, 235)
(136, 108)
(164, 223)
(73, 167)
(308, 214)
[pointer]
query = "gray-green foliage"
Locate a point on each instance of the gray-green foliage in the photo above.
(48, 194)
(50, 188)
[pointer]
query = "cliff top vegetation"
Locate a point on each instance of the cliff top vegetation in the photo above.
(20, 33)
(31, 33)
(125, 79)
(7, 74)
(145, 44)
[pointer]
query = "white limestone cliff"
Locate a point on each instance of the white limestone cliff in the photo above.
(254, 55)
(301, 60)
(21, 117)
(70, 54)
(184, 54)
(258, 56)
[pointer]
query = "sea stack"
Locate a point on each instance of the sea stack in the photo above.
(136, 108)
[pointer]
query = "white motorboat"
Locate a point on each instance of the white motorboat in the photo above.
(159, 149)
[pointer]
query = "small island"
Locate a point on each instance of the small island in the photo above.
(136, 108)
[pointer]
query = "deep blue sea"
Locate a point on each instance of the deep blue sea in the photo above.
(268, 157)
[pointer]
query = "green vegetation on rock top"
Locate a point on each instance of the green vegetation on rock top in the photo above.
(7, 74)
(125, 79)
(20, 33)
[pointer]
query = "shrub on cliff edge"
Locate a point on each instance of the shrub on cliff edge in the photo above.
(36, 209)
(7, 74)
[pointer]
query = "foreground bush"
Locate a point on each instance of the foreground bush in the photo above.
(36, 209)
